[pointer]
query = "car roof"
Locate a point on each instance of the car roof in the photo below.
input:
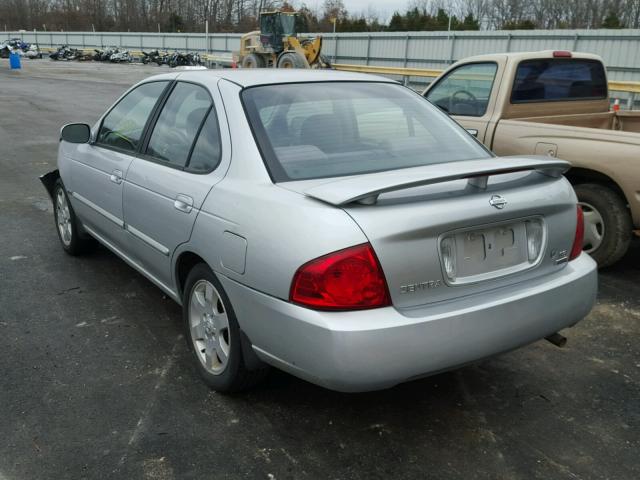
(250, 77)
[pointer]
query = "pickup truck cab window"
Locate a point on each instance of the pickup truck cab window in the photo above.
(465, 90)
(559, 79)
(123, 126)
(178, 124)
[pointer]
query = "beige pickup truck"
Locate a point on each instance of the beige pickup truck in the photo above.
(555, 103)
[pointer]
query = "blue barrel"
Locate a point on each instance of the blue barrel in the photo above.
(14, 61)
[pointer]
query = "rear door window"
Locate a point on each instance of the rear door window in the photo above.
(466, 90)
(178, 124)
(207, 151)
(122, 127)
(559, 79)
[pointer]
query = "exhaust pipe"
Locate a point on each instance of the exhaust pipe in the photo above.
(557, 339)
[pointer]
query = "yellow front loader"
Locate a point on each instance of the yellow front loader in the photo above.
(278, 44)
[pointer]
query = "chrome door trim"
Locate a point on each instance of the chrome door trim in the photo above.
(101, 211)
(148, 240)
(135, 265)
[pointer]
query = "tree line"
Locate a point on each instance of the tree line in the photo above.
(242, 15)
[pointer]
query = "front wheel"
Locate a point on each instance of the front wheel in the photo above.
(291, 60)
(67, 224)
(607, 223)
(213, 334)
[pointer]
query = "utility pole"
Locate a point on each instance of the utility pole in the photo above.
(206, 37)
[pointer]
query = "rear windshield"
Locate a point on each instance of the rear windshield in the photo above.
(559, 79)
(330, 129)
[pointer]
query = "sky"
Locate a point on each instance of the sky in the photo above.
(385, 8)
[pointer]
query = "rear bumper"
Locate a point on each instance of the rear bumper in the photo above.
(374, 349)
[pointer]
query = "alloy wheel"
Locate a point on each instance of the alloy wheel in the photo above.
(209, 327)
(63, 217)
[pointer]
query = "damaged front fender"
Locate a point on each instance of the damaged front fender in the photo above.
(49, 180)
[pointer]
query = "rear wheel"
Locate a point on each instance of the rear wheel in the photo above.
(213, 333)
(290, 60)
(253, 61)
(607, 223)
(67, 224)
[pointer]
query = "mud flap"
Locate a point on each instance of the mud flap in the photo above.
(251, 360)
(49, 180)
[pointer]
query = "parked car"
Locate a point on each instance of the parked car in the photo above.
(334, 225)
(556, 103)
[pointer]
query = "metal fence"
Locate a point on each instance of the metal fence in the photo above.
(620, 49)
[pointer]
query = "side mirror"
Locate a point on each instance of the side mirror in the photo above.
(76, 133)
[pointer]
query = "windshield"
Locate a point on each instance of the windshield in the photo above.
(288, 23)
(330, 129)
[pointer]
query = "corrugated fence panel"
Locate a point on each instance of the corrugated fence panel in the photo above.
(385, 48)
(465, 47)
(430, 48)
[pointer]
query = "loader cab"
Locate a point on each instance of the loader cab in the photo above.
(274, 26)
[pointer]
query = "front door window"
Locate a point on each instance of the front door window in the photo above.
(466, 90)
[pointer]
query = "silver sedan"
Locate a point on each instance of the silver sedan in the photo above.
(336, 226)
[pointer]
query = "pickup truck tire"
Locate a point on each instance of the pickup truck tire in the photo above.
(616, 229)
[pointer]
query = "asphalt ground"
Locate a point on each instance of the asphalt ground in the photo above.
(96, 381)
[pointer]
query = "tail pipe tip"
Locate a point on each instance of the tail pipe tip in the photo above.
(557, 339)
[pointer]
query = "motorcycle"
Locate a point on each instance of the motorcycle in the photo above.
(162, 59)
(184, 59)
(104, 55)
(148, 57)
(62, 53)
(121, 56)
(13, 45)
(33, 52)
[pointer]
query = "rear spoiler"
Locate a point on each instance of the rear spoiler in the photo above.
(366, 188)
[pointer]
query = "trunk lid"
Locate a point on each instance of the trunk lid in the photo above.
(484, 208)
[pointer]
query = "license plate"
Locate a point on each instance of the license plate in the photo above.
(481, 252)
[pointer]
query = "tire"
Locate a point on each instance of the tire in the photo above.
(210, 324)
(608, 227)
(291, 60)
(253, 61)
(67, 224)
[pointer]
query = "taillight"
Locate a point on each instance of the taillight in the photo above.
(562, 54)
(579, 238)
(349, 279)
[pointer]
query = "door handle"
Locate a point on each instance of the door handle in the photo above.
(116, 176)
(184, 203)
(472, 131)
